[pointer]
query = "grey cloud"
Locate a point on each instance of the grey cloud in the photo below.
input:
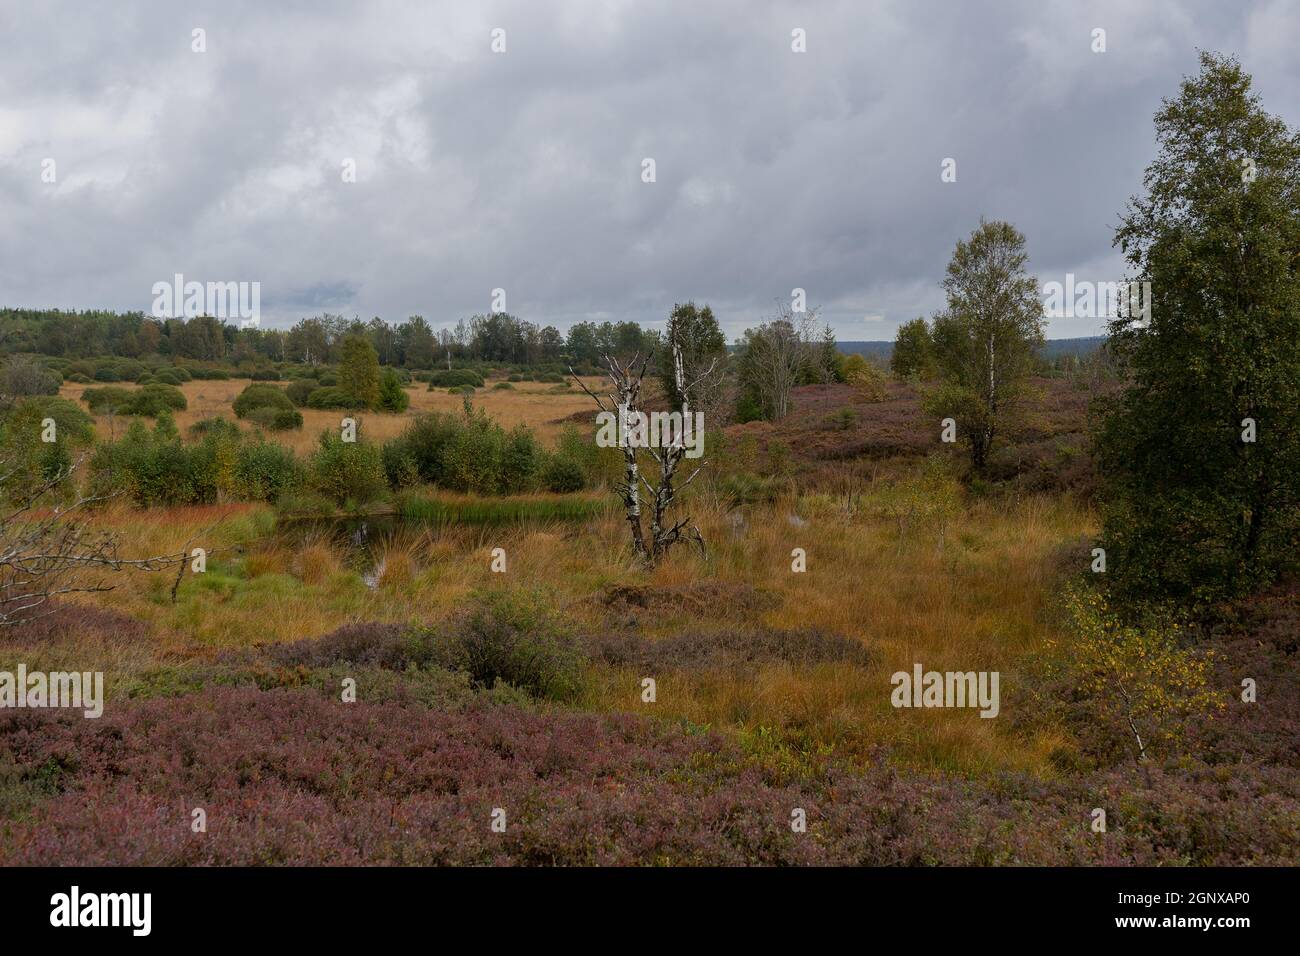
(522, 171)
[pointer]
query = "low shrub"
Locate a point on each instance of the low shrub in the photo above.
(259, 395)
(515, 637)
(331, 396)
(149, 400)
(454, 378)
(276, 419)
(347, 472)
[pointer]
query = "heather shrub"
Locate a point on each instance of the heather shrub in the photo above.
(727, 649)
(72, 623)
(390, 646)
(512, 636)
(297, 778)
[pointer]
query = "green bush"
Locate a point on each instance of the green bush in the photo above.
(276, 419)
(299, 389)
(347, 472)
(152, 400)
(108, 399)
(521, 461)
(454, 378)
(331, 396)
(464, 453)
(564, 475)
(167, 376)
(513, 637)
(261, 395)
(149, 400)
(152, 467)
(29, 460)
(266, 471)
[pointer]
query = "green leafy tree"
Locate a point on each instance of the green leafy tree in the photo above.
(703, 344)
(913, 351)
(1194, 508)
(359, 371)
(984, 343)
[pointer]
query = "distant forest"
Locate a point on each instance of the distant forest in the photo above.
(1051, 350)
(498, 337)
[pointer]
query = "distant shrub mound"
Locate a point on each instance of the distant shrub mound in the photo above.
(331, 396)
(148, 400)
(258, 396)
(455, 378)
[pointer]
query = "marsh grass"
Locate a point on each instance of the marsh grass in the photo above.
(443, 508)
(970, 595)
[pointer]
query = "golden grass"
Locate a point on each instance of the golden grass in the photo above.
(531, 403)
(971, 599)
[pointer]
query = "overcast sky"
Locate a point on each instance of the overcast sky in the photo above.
(522, 170)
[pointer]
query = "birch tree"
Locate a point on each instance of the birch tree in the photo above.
(777, 356)
(984, 343)
(625, 401)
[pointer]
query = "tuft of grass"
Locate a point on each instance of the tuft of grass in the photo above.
(443, 509)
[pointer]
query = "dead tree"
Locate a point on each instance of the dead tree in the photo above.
(624, 402)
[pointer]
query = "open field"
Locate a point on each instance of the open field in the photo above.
(772, 685)
(535, 404)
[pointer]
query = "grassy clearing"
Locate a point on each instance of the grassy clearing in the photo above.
(964, 591)
(535, 404)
